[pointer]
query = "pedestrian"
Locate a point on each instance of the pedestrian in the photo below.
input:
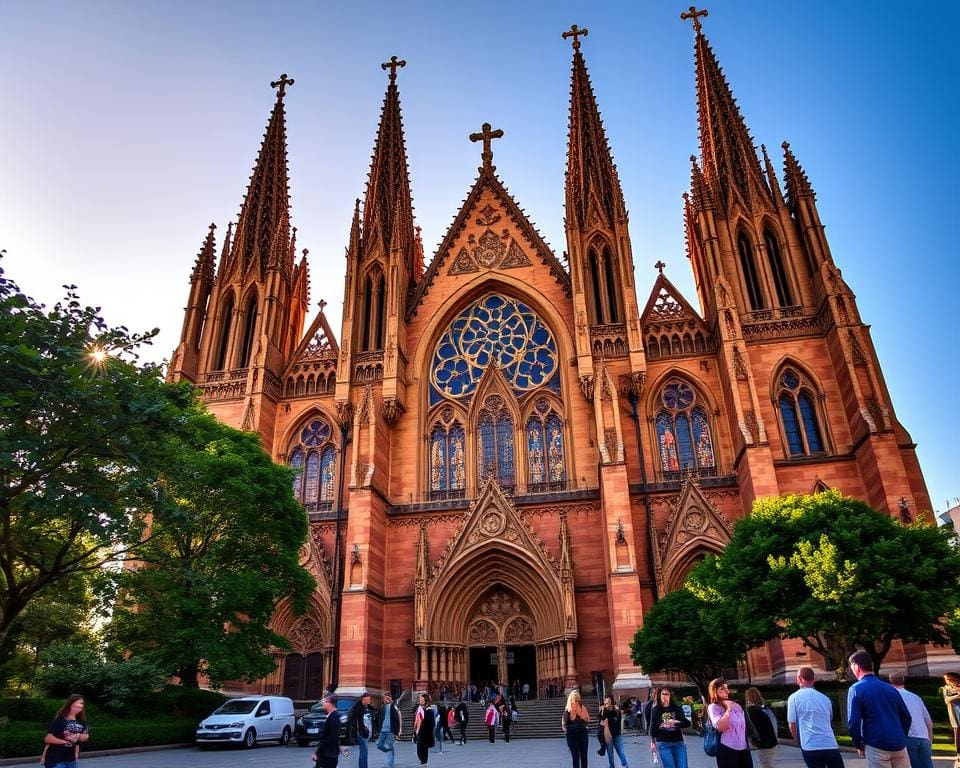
(441, 720)
(506, 718)
(666, 736)
(463, 717)
(576, 723)
(877, 719)
(65, 734)
(951, 697)
(423, 726)
(764, 724)
(920, 736)
(731, 723)
(525, 691)
(328, 748)
(360, 722)
(490, 720)
(809, 717)
(390, 730)
(610, 727)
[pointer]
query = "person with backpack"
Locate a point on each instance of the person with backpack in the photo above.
(729, 720)
(763, 733)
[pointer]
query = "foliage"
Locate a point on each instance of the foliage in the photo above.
(83, 433)
(117, 685)
(687, 634)
(189, 702)
(59, 615)
(835, 573)
(26, 740)
(225, 550)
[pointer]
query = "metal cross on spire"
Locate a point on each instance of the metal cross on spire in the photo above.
(282, 84)
(485, 136)
(575, 33)
(660, 265)
(393, 65)
(694, 14)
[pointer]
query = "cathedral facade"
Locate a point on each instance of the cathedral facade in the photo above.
(506, 457)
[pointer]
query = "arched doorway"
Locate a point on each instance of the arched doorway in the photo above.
(497, 607)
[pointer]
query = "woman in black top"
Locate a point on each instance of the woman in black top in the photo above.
(610, 729)
(666, 737)
(762, 735)
(576, 720)
(65, 733)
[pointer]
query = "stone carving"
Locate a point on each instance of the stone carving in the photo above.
(631, 384)
(488, 216)
(519, 631)
(515, 257)
(489, 249)
(499, 606)
(305, 637)
(586, 387)
(739, 366)
(483, 632)
(856, 349)
(345, 413)
(392, 410)
(463, 264)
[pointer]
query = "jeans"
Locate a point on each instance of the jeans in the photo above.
(437, 738)
(70, 764)
(920, 752)
(577, 743)
(822, 758)
(617, 744)
(385, 744)
(673, 754)
(362, 751)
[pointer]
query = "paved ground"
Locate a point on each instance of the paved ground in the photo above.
(526, 753)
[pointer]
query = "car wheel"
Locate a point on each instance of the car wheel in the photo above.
(250, 739)
(285, 737)
(303, 742)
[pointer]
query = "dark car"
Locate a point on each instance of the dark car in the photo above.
(309, 724)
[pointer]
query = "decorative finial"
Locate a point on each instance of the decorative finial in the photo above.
(575, 33)
(694, 14)
(282, 84)
(393, 65)
(322, 304)
(485, 136)
(660, 265)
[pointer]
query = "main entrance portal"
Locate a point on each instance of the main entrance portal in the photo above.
(519, 662)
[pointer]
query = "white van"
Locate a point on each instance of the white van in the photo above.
(248, 720)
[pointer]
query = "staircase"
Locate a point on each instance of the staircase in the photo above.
(539, 719)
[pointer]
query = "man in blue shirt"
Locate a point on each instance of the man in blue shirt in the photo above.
(877, 719)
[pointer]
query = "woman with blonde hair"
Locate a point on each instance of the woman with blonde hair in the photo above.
(576, 722)
(731, 723)
(764, 731)
(951, 697)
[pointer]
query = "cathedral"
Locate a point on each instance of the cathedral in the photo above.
(506, 456)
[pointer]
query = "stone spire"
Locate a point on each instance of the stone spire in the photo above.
(203, 267)
(593, 187)
(798, 185)
(388, 207)
(262, 238)
(729, 159)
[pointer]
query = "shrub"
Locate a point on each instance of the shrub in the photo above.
(130, 683)
(70, 669)
(190, 702)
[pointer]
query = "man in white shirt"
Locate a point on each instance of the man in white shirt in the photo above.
(809, 715)
(920, 737)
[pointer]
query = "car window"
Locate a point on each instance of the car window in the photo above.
(317, 708)
(237, 707)
(264, 709)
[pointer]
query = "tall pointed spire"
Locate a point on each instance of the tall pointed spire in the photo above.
(593, 187)
(263, 230)
(729, 159)
(798, 185)
(203, 267)
(388, 207)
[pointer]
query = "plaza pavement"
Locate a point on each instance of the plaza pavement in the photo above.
(525, 753)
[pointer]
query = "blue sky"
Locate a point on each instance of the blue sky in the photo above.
(127, 127)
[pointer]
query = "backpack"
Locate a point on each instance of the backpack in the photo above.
(711, 737)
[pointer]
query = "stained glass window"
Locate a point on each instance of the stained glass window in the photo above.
(545, 448)
(496, 443)
(447, 460)
(798, 413)
(684, 440)
(314, 460)
(494, 330)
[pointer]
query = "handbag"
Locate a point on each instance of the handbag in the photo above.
(711, 737)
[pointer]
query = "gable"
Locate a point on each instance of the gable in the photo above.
(492, 235)
(670, 324)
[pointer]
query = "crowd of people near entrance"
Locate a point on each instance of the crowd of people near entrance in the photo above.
(888, 725)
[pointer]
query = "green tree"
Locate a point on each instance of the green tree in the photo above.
(686, 634)
(220, 557)
(83, 433)
(835, 573)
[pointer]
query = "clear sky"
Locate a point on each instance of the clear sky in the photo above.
(127, 127)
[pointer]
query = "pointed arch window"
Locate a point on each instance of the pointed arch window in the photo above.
(495, 443)
(748, 266)
(684, 437)
(604, 301)
(796, 403)
(226, 326)
(780, 282)
(249, 331)
(313, 458)
(546, 469)
(447, 464)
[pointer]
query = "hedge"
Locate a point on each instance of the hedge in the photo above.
(27, 740)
